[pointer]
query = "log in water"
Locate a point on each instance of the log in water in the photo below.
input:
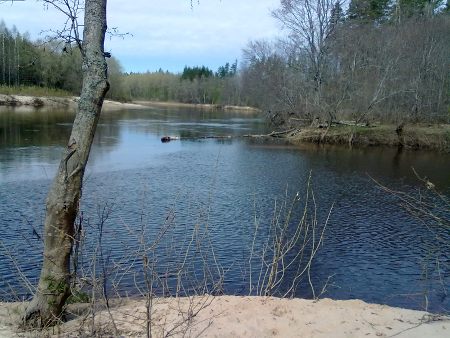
(274, 134)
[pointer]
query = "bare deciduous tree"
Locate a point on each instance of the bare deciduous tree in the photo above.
(332, 68)
(65, 193)
(310, 24)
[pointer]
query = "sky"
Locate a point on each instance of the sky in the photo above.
(167, 34)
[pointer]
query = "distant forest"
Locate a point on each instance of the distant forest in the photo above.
(34, 63)
(372, 60)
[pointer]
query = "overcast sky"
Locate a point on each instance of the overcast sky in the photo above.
(166, 34)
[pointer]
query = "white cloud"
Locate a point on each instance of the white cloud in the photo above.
(212, 32)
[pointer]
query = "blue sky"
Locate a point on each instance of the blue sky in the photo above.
(166, 34)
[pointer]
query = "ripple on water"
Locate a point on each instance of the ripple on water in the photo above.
(214, 191)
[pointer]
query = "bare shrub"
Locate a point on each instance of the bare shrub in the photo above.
(432, 209)
(163, 280)
(290, 243)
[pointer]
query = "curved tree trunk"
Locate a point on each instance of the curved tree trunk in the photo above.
(64, 195)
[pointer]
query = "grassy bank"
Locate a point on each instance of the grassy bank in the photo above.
(33, 91)
(433, 137)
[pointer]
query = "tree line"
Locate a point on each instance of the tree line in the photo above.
(23, 62)
(197, 84)
(376, 60)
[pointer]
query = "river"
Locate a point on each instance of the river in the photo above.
(217, 192)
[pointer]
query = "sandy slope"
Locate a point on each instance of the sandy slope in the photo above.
(231, 316)
(23, 102)
(200, 106)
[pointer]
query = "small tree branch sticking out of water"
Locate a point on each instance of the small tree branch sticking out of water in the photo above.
(286, 255)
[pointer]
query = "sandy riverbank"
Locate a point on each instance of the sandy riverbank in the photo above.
(199, 106)
(23, 102)
(232, 316)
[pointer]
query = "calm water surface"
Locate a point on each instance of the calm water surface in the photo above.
(373, 249)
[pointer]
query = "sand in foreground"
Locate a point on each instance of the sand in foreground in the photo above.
(231, 316)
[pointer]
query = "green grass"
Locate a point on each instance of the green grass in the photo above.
(78, 297)
(33, 91)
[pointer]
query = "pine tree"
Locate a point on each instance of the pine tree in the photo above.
(368, 10)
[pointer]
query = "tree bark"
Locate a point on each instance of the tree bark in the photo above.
(65, 193)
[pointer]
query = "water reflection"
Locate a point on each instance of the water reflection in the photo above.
(373, 248)
(377, 162)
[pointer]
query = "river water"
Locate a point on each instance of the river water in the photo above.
(218, 192)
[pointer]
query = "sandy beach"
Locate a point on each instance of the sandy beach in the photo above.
(233, 316)
(199, 106)
(23, 102)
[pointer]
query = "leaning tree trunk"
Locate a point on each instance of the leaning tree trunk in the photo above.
(64, 195)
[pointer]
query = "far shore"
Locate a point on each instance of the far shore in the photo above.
(234, 316)
(427, 137)
(201, 106)
(29, 103)
(26, 102)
